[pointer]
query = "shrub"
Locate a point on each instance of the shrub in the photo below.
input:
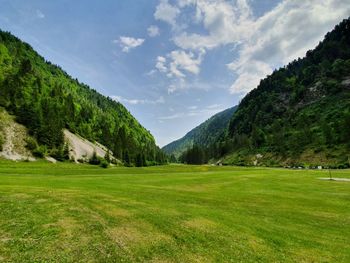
(57, 153)
(40, 151)
(104, 163)
(61, 153)
(94, 160)
(31, 143)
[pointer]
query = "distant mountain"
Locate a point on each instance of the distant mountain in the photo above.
(300, 114)
(46, 100)
(204, 135)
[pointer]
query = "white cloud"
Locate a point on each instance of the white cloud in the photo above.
(166, 12)
(283, 34)
(40, 14)
(179, 63)
(153, 31)
(261, 43)
(128, 43)
(225, 23)
(186, 61)
(249, 73)
(120, 99)
(160, 65)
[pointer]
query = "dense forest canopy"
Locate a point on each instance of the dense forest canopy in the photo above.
(46, 100)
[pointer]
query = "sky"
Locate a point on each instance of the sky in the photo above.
(172, 63)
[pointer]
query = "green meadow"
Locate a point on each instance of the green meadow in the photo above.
(176, 213)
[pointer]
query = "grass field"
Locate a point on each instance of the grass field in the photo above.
(80, 213)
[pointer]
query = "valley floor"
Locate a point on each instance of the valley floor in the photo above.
(81, 213)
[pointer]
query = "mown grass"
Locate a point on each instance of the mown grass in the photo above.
(80, 213)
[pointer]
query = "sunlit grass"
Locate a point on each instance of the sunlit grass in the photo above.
(72, 213)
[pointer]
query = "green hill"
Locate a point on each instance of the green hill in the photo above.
(46, 100)
(203, 135)
(300, 114)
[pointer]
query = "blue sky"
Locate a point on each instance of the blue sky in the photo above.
(172, 63)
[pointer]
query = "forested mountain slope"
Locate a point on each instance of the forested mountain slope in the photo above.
(46, 100)
(203, 135)
(300, 114)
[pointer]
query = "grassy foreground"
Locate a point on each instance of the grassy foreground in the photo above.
(79, 213)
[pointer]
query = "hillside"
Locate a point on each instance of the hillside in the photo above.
(300, 114)
(46, 100)
(204, 135)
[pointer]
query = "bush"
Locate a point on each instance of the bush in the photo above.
(104, 163)
(61, 153)
(31, 144)
(94, 160)
(57, 153)
(40, 151)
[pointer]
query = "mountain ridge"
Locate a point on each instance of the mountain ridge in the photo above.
(204, 134)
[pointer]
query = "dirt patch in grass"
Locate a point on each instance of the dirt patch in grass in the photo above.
(41, 200)
(113, 210)
(197, 258)
(21, 196)
(118, 212)
(309, 255)
(69, 226)
(136, 235)
(202, 224)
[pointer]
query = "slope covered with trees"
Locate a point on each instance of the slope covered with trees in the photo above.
(46, 100)
(300, 114)
(203, 135)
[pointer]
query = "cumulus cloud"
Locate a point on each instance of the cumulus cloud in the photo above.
(225, 23)
(160, 64)
(166, 12)
(153, 31)
(178, 62)
(120, 99)
(259, 44)
(128, 43)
